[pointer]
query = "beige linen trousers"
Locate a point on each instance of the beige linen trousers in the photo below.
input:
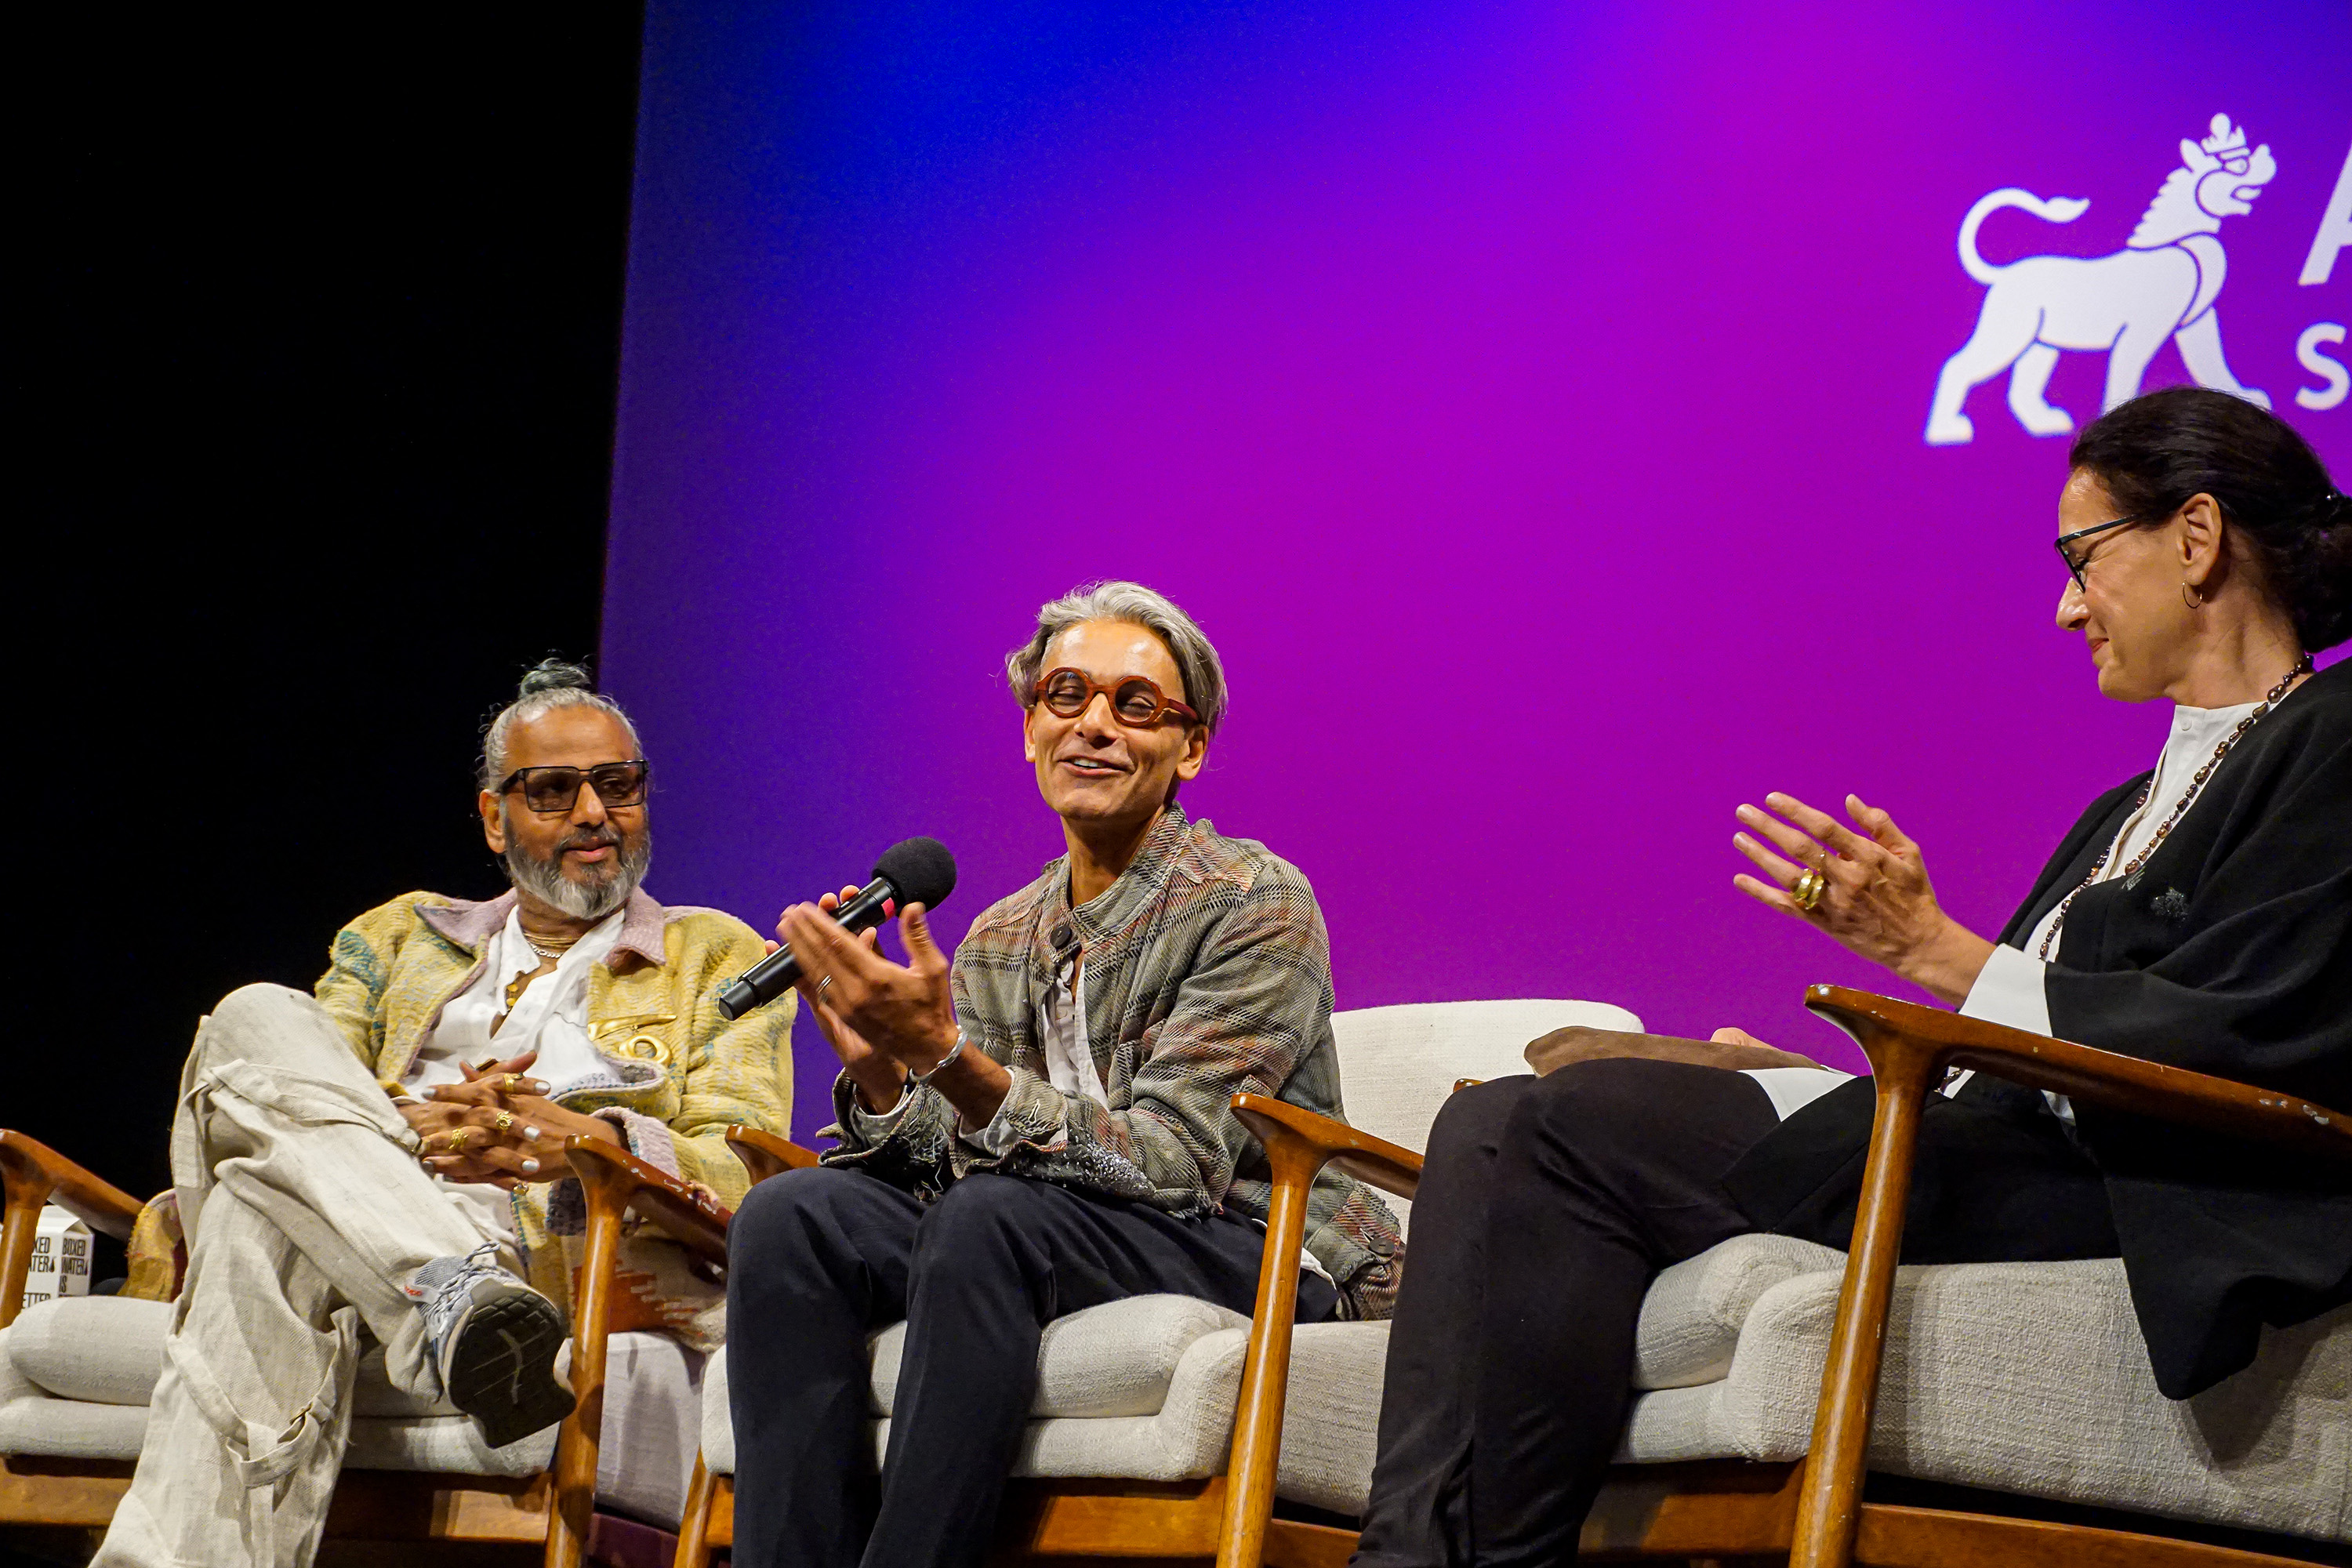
(305, 1212)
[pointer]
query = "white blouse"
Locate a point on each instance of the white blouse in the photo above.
(2009, 988)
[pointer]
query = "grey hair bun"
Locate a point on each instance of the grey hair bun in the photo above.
(550, 684)
(556, 675)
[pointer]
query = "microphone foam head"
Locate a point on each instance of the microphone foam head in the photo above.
(921, 869)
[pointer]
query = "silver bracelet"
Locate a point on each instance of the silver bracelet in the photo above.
(923, 1080)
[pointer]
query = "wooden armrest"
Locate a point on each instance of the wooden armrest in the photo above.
(610, 1174)
(34, 1168)
(1922, 1039)
(1375, 1161)
(1297, 1144)
(614, 1180)
(35, 1174)
(764, 1154)
(1581, 1043)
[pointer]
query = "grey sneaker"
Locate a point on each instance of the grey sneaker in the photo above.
(494, 1341)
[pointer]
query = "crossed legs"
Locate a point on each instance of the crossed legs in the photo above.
(1546, 1208)
(306, 1212)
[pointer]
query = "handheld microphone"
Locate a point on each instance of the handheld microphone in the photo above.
(914, 872)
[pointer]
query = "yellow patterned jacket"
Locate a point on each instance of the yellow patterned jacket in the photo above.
(681, 1074)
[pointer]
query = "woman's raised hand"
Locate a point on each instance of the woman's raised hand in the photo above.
(1876, 899)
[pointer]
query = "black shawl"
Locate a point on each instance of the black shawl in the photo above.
(2230, 952)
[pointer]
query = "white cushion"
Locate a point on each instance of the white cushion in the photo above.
(1327, 1431)
(2032, 1377)
(101, 1350)
(717, 1425)
(1691, 1316)
(1116, 1358)
(1329, 1428)
(1398, 1065)
(76, 1375)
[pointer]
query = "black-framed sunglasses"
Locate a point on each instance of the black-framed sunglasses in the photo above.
(2075, 563)
(554, 789)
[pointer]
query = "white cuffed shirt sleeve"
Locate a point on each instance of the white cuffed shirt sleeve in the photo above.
(2009, 990)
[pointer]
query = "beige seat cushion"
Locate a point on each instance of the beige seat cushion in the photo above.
(1691, 1316)
(76, 1375)
(2032, 1377)
(1327, 1437)
(1116, 1358)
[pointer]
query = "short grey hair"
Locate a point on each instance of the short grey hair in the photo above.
(1137, 606)
(550, 684)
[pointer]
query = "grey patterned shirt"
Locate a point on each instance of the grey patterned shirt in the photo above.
(1208, 974)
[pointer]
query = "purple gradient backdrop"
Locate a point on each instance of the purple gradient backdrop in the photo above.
(1528, 404)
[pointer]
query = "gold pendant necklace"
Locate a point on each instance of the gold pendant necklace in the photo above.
(550, 951)
(2180, 809)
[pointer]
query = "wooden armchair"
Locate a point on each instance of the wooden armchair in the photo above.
(1079, 1493)
(552, 1508)
(1814, 1511)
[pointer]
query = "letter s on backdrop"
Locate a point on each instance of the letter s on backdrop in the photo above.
(2332, 372)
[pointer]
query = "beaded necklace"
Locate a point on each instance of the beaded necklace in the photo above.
(2302, 667)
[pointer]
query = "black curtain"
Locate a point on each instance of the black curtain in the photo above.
(317, 357)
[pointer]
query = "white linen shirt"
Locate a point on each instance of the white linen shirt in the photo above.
(550, 1017)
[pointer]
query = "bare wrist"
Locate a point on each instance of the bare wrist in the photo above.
(1947, 965)
(878, 1084)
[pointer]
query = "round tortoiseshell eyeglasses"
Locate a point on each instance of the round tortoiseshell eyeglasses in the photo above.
(1136, 700)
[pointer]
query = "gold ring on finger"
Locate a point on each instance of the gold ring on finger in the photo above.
(1808, 889)
(457, 1139)
(514, 1081)
(505, 1120)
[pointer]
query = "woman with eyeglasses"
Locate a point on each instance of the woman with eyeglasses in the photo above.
(2198, 915)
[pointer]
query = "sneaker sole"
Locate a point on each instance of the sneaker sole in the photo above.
(502, 1373)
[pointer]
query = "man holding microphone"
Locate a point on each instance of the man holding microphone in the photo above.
(1042, 1126)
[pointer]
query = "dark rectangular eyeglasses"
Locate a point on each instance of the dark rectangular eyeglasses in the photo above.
(554, 789)
(2075, 563)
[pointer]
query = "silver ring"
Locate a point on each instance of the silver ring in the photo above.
(822, 982)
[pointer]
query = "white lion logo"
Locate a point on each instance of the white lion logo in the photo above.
(2162, 284)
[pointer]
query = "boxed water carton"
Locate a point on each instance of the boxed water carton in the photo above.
(60, 1257)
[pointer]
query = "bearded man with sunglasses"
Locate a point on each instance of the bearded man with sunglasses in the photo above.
(452, 1040)
(1044, 1125)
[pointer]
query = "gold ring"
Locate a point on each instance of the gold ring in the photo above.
(1808, 889)
(505, 1120)
(457, 1139)
(514, 1081)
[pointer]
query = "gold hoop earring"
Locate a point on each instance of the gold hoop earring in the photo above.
(2192, 597)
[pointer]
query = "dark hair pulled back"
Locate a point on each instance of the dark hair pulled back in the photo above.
(2156, 452)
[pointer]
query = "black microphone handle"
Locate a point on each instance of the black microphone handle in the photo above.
(776, 974)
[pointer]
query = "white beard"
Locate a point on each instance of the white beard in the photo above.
(545, 880)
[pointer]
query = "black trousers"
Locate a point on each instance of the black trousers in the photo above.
(818, 1260)
(1546, 1208)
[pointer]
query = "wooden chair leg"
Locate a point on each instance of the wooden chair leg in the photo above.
(694, 1530)
(573, 1506)
(1256, 1458)
(1829, 1510)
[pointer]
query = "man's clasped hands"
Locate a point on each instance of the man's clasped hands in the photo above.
(497, 1126)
